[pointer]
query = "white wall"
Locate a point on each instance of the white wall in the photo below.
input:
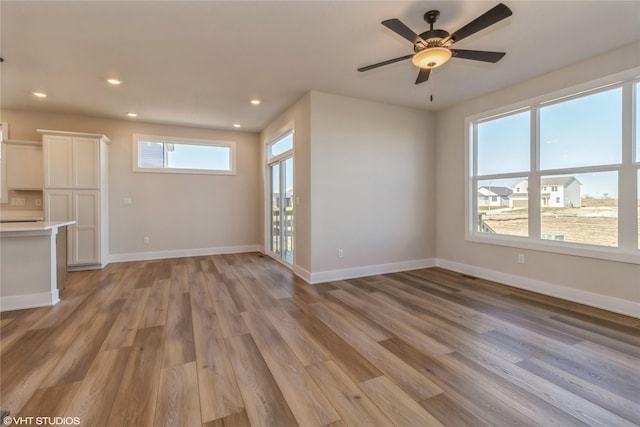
(372, 185)
(180, 213)
(583, 279)
(365, 183)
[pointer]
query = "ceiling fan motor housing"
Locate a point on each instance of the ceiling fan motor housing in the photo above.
(431, 38)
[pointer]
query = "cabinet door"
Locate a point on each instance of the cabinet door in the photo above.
(86, 163)
(58, 206)
(58, 161)
(24, 167)
(86, 208)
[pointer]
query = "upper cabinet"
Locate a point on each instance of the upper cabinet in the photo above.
(24, 165)
(73, 160)
(86, 162)
(58, 159)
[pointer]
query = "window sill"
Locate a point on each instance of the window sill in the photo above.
(565, 248)
(184, 171)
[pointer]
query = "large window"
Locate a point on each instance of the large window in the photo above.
(560, 173)
(182, 155)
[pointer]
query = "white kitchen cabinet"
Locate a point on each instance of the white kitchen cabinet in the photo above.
(24, 165)
(76, 188)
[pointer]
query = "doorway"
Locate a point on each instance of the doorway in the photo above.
(281, 205)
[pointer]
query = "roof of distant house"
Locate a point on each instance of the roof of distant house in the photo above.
(557, 180)
(560, 180)
(499, 191)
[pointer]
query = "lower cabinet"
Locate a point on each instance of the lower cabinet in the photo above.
(83, 237)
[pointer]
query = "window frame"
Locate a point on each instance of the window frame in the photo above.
(279, 136)
(4, 135)
(627, 170)
(137, 138)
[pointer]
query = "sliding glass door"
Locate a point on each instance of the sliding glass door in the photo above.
(281, 212)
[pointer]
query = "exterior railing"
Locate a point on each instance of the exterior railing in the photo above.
(288, 232)
(483, 227)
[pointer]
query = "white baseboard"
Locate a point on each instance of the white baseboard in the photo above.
(302, 273)
(86, 267)
(19, 302)
(368, 270)
(182, 253)
(617, 305)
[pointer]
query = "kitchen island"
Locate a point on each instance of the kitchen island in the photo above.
(33, 263)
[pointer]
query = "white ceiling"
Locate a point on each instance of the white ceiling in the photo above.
(199, 63)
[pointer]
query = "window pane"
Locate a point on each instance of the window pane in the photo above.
(151, 155)
(498, 212)
(183, 156)
(585, 131)
(206, 157)
(503, 144)
(580, 208)
(638, 188)
(283, 144)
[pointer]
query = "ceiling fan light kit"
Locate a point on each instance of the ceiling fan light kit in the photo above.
(431, 57)
(432, 47)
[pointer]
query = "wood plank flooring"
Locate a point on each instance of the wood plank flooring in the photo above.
(237, 340)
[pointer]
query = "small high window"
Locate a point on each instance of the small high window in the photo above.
(182, 155)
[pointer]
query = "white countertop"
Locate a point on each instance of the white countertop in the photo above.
(21, 215)
(33, 226)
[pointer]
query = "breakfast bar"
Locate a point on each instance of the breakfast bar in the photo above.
(33, 263)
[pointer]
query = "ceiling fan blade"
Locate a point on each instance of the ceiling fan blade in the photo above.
(387, 62)
(423, 75)
(477, 55)
(497, 14)
(399, 28)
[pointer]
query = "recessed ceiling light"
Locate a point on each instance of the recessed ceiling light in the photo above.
(255, 101)
(132, 114)
(114, 82)
(39, 94)
(236, 125)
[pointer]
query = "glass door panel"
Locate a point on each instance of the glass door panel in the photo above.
(287, 217)
(275, 208)
(281, 211)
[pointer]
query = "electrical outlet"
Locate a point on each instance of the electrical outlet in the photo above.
(38, 202)
(340, 253)
(520, 258)
(17, 201)
(127, 201)
(146, 240)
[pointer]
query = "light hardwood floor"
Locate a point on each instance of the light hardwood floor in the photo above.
(237, 340)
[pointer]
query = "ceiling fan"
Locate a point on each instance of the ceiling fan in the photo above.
(431, 48)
